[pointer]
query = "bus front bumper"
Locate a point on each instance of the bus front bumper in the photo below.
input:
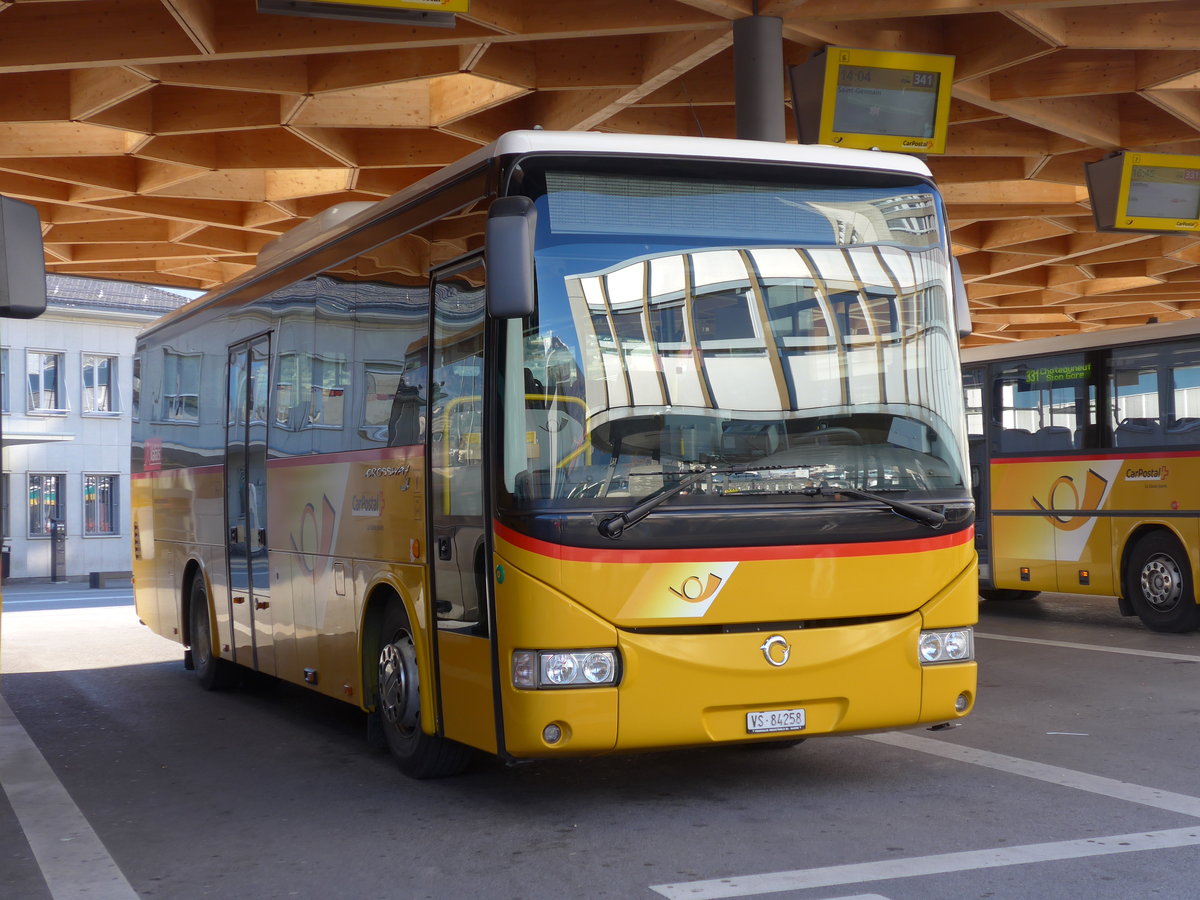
(680, 690)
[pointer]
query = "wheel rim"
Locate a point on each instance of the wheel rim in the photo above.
(1162, 582)
(398, 695)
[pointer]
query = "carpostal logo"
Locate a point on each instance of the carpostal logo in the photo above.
(913, 142)
(366, 504)
(1154, 473)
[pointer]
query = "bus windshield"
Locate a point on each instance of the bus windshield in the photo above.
(777, 335)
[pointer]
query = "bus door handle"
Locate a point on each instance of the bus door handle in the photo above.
(444, 547)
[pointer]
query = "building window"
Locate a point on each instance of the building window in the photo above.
(45, 503)
(4, 379)
(99, 378)
(5, 487)
(181, 386)
(99, 504)
(44, 375)
(137, 388)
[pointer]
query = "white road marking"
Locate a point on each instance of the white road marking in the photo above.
(1068, 645)
(885, 870)
(1027, 768)
(74, 862)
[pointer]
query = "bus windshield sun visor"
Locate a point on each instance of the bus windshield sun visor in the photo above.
(511, 224)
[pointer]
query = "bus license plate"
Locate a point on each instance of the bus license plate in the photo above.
(774, 720)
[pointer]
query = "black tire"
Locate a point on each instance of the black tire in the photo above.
(1007, 594)
(1158, 584)
(398, 705)
(213, 673)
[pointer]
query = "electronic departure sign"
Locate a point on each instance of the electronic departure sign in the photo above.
(873, 99)
(1158, 192)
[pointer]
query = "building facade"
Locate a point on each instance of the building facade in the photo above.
(68, 384)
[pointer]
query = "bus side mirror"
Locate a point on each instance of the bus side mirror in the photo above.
(962, 310)
(22, 265)
(510, 281)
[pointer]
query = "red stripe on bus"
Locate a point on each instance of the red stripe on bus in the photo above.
(723, 554)
(415, 451)
(1089, 457)
(186, 470)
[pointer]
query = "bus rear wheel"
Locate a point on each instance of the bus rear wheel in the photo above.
(1158, 582)
(214, 673)
(398, 705)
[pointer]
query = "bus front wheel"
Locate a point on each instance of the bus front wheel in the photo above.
(398, 705)
(214, 673)
(1159, 584)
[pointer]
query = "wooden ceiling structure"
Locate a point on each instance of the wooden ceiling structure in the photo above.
(166, 141)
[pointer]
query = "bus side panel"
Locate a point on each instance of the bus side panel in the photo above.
(148, 567)
(342, 524)
(1086, 567)
(1022, 541)
(468, 701)
(177, 517)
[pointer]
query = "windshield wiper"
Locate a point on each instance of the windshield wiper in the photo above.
(929, 517)
(614, 525)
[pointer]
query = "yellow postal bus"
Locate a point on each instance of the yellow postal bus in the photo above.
(589, 443)
(1084, 456)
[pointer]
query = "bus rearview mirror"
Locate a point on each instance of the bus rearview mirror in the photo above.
(962, 309)
(22, 264)
(510, 285)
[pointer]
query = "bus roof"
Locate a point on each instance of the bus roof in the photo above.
(1075, 343)
(321, 229)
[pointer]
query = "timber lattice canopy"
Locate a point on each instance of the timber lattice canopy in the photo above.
(165, 141)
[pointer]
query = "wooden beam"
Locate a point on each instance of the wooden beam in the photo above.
(197, 20)
(1067, 73)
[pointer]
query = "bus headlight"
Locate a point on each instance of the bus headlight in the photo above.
(944, 646)
(534, 669)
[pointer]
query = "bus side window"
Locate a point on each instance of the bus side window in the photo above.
(1133, 391)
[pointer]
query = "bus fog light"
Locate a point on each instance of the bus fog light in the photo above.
(945, 646)
(961, 702)
(552, 733)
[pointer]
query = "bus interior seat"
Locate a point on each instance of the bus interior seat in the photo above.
(1137, 432)
(1054, 437)
(1184, 425)
(1013, 439)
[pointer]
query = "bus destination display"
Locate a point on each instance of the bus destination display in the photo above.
(1148, 192)
(872, 100)
(1163, 192)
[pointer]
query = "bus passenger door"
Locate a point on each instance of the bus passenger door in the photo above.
(246, 504)
(457, 509)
